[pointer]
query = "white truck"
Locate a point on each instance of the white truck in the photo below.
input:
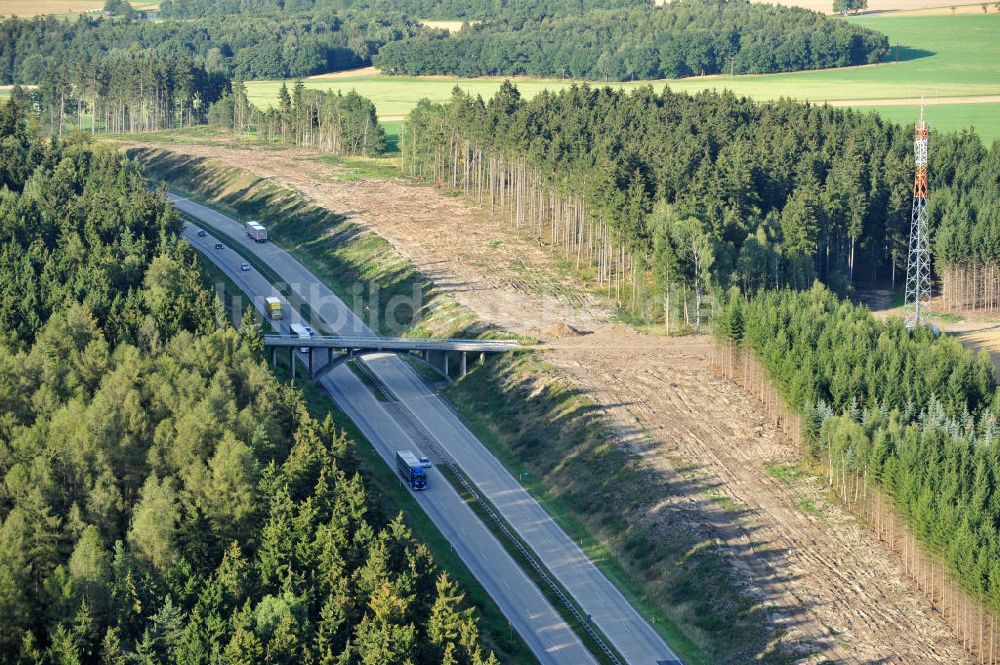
(257, 232)
(302, 332)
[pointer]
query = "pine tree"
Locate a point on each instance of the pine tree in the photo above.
(444, 627)
(250, 330)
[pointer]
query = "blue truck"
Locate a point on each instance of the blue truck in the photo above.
(411, 470)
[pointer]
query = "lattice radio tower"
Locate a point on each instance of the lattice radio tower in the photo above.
(918, 266)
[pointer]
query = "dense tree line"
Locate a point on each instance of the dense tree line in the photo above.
(424, 9)
(730, 192)
(827, 352)
(684, 38)
(911, 413)
(342, 124)
(268, 47)
(126, 90)
(965, 216)
(64, 238)
(164, 498)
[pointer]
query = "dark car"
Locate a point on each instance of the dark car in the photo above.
(201, 233)
(219, 245)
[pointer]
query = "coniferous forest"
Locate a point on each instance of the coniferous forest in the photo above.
(966, 220)
(682, 38)
(910, 413)
(427, 9)
(252, 46)
(731, 192)
(163, 497)
(130, 90)
(165, 98)
(332, 122)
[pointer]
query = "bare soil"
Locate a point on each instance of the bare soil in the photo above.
(503, 278)
(348, 73)
(828, 581)
(830, 585)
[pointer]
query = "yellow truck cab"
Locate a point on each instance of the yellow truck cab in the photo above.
(274, 308)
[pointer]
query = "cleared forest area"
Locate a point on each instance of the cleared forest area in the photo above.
(823, 577)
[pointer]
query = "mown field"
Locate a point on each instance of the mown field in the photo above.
(984, 118)
(28, 8)
(939, 56)
(826, 6)
(25, 8)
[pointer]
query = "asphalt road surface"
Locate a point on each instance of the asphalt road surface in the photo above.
(544, 632)
(629, 633)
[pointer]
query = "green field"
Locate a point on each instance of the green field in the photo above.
(391, 128)
(939, 56)
(985, 118)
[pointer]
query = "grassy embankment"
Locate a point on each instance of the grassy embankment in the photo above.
(605, 497)
(560, 443)
(939, 56)
(347, 257)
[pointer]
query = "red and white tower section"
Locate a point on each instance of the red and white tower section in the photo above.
(918, 267)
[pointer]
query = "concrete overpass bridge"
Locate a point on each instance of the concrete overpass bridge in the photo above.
(339, 349)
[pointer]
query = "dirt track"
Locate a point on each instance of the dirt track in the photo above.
(828, 583)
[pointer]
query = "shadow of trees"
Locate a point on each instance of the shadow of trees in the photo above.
(689, 556)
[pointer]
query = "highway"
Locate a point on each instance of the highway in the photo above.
(544, 632)
(629, 633)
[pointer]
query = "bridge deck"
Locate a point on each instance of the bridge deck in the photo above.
(392, 343)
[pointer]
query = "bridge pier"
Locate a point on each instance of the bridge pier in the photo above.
(464, 366)
(274, 356)
(311, 374)
(329, 359)
(445, 354)
(291, 359)
(482, 357)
